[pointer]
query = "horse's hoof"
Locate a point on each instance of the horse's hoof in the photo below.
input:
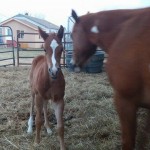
(49, 131)
(29, 131)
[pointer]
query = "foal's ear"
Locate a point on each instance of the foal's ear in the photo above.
(43, 34)
(75, 16)
(60, 32)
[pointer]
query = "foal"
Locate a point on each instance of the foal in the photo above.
(47, 82)
(125, 36)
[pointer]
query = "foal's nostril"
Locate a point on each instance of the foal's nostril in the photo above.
(53, 73)
(49, 70)
(56, 72)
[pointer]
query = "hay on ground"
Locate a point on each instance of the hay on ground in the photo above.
(91, 121)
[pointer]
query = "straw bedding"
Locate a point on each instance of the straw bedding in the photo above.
(91, 121)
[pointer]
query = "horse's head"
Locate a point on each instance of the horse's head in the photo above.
(53, 50)
(83, 48)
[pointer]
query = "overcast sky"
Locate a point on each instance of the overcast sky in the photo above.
(58, 11)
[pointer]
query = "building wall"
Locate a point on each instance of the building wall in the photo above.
(27, 37)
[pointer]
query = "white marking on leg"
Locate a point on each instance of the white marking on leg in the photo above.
(94, 29)
(49, 131)
(30, 124)
(54, 44)
(59, 108)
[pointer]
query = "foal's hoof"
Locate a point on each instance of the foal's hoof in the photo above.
(29, 131)
(36, 144)
(49, 131)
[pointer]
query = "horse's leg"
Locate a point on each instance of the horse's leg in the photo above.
(59, 108)
(46, 123)
(30, 121)
(127, 109)
(38, 118)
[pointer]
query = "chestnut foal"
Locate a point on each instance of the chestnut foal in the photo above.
(125, 37)
(47, 82)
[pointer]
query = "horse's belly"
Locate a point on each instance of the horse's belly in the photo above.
(130, 83)
(126, 84)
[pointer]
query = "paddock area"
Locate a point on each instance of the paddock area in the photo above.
(91, 121)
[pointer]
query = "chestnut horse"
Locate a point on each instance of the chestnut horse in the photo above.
(125, 36)
(47, 82)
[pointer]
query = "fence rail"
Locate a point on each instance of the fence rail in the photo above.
(27, 48)
(30, 52)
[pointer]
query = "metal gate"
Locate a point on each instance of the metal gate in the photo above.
(27, 48)
(7, 54)
(30, 46)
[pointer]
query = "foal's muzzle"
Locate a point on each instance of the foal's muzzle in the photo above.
(53, 73)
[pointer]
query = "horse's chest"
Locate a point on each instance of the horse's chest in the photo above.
(55, 90)
(54, 93)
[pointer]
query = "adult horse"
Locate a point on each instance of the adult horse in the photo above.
(47, 82)
(125, 36)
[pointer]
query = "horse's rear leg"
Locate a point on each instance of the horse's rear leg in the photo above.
(59, 108)
(127, 113)
(38, 118)
(30, 121)
(46, 123)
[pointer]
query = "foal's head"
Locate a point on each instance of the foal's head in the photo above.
(53, 50)
(82, 46)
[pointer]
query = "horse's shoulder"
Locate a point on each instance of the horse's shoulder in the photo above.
(38, 60)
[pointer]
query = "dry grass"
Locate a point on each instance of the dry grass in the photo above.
(91, 122)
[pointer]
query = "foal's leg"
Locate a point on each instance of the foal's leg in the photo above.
(59, 108)
(38, 118)
(46, 124)
(30, 121)
(127, 113)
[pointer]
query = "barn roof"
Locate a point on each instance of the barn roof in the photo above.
(33, 21)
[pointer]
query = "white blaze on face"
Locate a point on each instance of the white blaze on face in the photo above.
(94, 29)
(53, 45)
